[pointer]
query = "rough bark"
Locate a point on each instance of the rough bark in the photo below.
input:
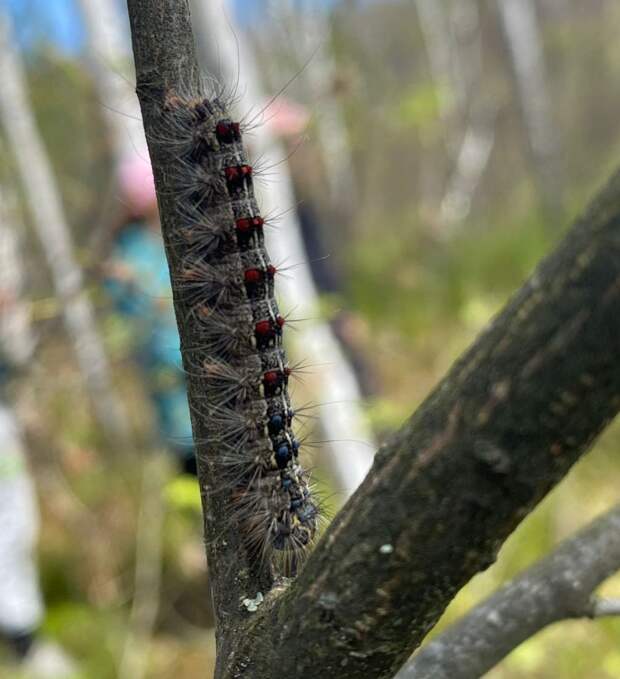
(165, 62)
(53, 232)
(505, 425)
(559, 587)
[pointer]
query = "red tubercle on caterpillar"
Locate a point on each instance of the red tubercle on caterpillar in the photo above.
(263, 328)
(227, 132)
(246, 224)
(267, 331)
(276, 376)
(238, 177)
(247, 228)
(236, 173)
(253, 276)
(274, 381)
(231, 173)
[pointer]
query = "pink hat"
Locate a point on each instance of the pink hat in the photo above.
(286, 117)
(135, 178)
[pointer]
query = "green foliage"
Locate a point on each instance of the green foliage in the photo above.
(92, 635)
(419, 109)
(432, 282)
(420, 292)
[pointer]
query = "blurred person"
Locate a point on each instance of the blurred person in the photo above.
(138, 282)
(287, 120)
(347, 325)
(21, 602)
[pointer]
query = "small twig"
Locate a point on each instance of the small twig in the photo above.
(556, 588)
(605, 608)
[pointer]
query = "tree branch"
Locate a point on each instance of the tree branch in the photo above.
(166, 63)
(498, 432)
(605, 608)
(556, 588)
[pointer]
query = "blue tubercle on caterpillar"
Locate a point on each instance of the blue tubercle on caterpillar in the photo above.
(227, 282)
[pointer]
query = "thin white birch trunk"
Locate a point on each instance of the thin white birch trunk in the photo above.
(524, 40)
(336, 384)
(471, 161)
(465, 50)
(310, 43)
(17, 339)
(557, 9)
(451, 35)
(21, 604)
(53, 232)
(478, 137)
(111, 61)
(436, 36)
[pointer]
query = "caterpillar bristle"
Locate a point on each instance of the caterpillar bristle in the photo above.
(227, 284)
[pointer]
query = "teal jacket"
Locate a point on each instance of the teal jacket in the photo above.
(144, 297)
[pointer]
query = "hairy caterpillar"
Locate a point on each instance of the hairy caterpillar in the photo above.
(227, 283)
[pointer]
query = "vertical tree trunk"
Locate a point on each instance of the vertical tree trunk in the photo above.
(17, 338)
(436, 36)
(53, 232)
(471, 161)
(451, 34)
(309, 32)
(110, 57)
(342, 421)
(476, 111)
(524, 40)
(21, 604)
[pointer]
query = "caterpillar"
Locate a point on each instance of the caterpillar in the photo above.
(227, 282)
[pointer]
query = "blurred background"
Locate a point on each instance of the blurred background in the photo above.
(433, 151)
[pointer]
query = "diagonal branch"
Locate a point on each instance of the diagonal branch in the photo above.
(505, 425)
(558, 587)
